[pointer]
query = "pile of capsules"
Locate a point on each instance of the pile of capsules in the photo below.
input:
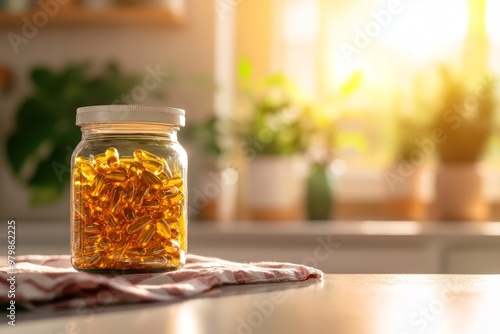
(128, 213)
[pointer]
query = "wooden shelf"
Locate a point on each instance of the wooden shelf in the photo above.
(76, 15)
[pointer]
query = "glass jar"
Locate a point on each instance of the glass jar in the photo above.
(128, 190)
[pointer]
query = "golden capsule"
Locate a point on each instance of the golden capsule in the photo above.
(154, 166)
(92, 229)
(146, 235)
(151, 204)
(121, 247)
(101, 167)
(98, 184)
(88, 170)
(126, 161)
(79, 160)
(129, 213)
(105, 244)
(105, 196)
(128, 195)
(177, 198)
(110, 219)
(100, 158)
(168, 191)
(116, 196)
(154, 261)
(156, 249)
(172, 246)
(94, 238)
(96, 260)
(176, 181)
(89, 250)
(173, 211)
(142, 155)
(134, 170)
(116, 176)
(112, 157)
(114, 236)
(151, 178)
(158, 214)
(164, 178)
(86, 213)
(163, 228)
(174, 233)
(173, 222)
(137, 251)
(139, 224)
(140, 194)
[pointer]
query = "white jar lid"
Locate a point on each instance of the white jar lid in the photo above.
(123, 113)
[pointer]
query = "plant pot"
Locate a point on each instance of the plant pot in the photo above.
(404, 196)
(459, 193)
(276, 188)
(319, 193)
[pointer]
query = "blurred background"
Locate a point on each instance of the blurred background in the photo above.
(297, 110)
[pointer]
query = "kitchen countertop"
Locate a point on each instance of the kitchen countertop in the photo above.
(340, 303)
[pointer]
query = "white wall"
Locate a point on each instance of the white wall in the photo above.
(190, 47)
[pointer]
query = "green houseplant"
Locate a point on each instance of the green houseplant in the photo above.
(274, 133)
(39, 149)
(465, 119)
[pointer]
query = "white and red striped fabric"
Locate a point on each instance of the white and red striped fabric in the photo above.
(51, 281)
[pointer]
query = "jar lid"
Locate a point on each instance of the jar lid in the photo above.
(123, 113)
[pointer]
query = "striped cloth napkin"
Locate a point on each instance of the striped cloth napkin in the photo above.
(51, 281)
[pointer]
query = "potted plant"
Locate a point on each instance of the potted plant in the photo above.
(465, 121)
(274, 136)
(404, 177)
(39, 148)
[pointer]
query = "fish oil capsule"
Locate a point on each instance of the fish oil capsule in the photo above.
(101, 167)
(112, 157)
(116, 176)
(163, 228)
(110, 219)
(151, 178)
(90, 250)
(100, 158)
(176, 198)
(105, 244)
(92, 229)
(129, 192)
(176, 181)
(94, 238)
(96, 260)
(142, 155)
(168, 191)
(140, 194)
(115, 199)
(151, 204)
(139, 224)
(172, 246)
(126, 161)
(154, 261)
(146, 235)
(156, 249)
(79, 160)
(129, 213)
(98, 184)
(153, 166)
(114, 236)
(87, 170)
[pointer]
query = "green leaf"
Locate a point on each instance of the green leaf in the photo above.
(244, 69)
